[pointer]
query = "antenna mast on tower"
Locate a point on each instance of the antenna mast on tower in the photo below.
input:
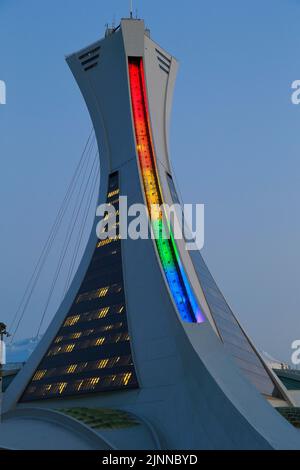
(131, 9)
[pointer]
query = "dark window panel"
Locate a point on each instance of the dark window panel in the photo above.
(91, 351)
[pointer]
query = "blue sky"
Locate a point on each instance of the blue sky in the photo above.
(233, 123)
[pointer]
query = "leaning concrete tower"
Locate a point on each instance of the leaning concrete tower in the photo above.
(144, 328)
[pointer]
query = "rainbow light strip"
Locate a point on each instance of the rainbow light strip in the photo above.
(167, 250)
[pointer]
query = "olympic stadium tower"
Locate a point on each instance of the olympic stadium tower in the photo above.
(144, 351)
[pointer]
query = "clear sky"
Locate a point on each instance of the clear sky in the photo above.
(235, 143)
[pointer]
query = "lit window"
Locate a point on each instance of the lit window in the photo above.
(126, 378)
(70, 321)
(103, 312)
(39, 375)
(61, 387)
(94, 294)
(80, 385)
(117, 338)
(71, 369)
(87, 316)
(76, 335)
(94, 382)
(99, 341)
(113, 193)
(61, 349)
(87, 384)
(107, 241)
(102, 292)
(102, 364)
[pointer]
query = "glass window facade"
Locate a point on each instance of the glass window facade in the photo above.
(232, 335)
(91, 351)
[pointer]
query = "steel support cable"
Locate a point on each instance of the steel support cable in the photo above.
(80, 235)
(77, 207)
(81, 231)
(64, 252)
(52, 232)
(79, 203)
(49, 242)
(52, 238)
